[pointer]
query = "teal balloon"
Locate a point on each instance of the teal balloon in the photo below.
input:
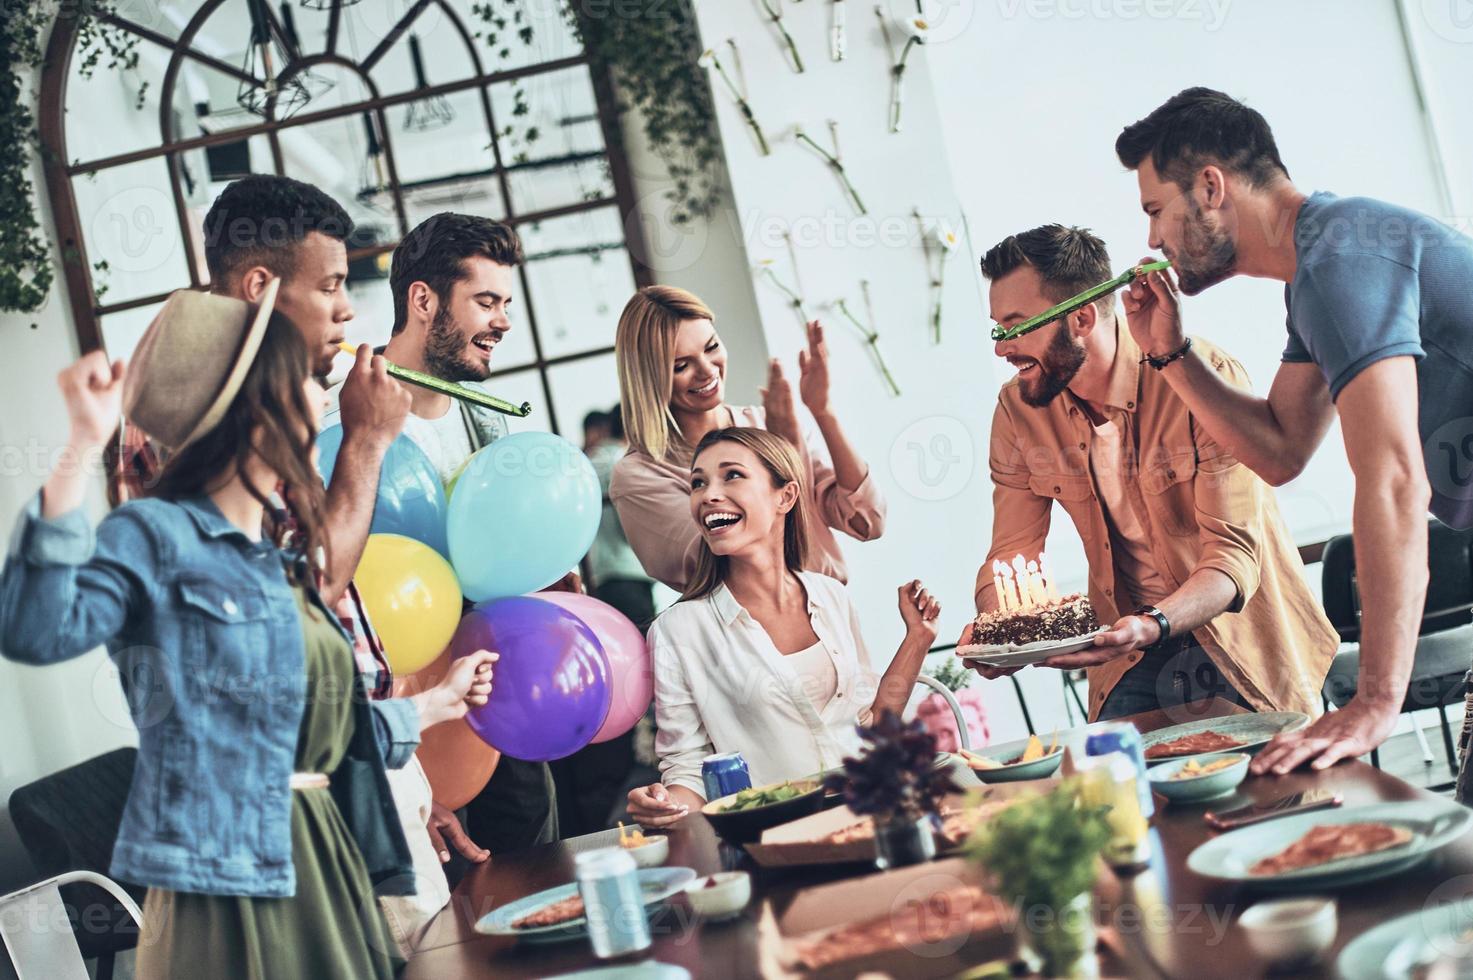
(410, 499)
(525, 511)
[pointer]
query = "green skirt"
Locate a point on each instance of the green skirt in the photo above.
(332, 927)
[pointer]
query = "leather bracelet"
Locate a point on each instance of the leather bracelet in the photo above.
(1159, 363)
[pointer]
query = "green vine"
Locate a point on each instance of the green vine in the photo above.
(25, 258)
(26, 271)
(653, 55)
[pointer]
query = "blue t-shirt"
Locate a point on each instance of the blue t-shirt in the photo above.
(1372, 281)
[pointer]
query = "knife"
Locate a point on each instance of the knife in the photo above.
(1282, 807)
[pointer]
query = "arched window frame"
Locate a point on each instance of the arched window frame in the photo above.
(60, 173)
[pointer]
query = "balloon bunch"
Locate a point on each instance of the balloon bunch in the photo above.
(522, 512)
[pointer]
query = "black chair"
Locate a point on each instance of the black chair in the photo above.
(68, 821)
(1445, 637)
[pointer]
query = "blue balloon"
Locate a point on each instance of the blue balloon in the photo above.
(411, 498)
(525, 511)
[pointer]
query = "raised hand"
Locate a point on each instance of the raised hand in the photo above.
(777, 402)
(919, 610)
(813, 372)
(93, 390)
(1153, 312)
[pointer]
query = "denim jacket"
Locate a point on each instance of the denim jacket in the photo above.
(206, 633)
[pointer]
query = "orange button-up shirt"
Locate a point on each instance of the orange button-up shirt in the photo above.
(1200, 507)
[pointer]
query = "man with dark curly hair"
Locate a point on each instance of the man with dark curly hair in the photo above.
(1380, 334)
(454, 280)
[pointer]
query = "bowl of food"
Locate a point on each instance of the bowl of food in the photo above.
(1290, 932)
(719, 896)
(741, 817)
(648, 850)
(1198, 779)
(1012, 761)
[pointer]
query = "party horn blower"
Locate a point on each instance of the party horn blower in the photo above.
(1000, 332)
(451, 388)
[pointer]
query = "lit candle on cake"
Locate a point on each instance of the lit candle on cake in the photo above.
(1037, 590)
(1048, 578)
(1020, 575)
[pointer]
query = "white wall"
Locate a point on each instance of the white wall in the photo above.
(50, 717)
(1011, 118)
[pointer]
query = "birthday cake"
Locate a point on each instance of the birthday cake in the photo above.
(1030, 609)
(1058, 619)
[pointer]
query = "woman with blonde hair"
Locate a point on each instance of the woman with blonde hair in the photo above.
(762, 655)
(672, 376)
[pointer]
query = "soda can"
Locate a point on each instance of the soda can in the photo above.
(613, 902)
(1110, 781)
(1122, 736)
(724, 773)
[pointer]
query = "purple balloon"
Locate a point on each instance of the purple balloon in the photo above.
(551, 691)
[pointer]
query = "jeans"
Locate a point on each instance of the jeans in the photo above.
(1165, 678)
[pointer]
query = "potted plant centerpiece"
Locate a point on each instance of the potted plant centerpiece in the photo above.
(896, 783)
(1042, 854)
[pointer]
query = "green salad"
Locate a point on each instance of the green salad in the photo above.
(751, 799)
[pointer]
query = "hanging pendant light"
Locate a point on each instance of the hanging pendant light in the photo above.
(427, 113)
(267, 57)
(316, 84)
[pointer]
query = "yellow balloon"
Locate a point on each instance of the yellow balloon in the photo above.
(412, 597)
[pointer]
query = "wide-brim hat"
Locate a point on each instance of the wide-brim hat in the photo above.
(191, 363)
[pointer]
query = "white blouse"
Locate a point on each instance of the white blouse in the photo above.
(818, 678)
(722, 686)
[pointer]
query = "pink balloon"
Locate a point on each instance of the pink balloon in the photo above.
(631, 678)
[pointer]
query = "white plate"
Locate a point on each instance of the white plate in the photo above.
(1011, 655)
(656, 885)
(1432, 822)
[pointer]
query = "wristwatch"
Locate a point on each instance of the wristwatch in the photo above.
(1151, 612)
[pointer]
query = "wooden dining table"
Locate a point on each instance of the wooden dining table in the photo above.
(1161, 921)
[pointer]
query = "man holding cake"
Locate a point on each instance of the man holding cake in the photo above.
(1188, 557)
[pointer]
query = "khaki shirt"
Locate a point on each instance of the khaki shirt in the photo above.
(1200, 507)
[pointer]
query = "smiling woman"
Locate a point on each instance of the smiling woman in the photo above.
(761, 656)
(672, 376)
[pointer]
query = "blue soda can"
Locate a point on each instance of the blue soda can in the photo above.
(613, 903)
(1125, 738)
(724, 773)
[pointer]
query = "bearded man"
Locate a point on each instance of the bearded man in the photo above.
(1189, 560)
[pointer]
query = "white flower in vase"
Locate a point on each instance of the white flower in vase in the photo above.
(938, 242)
(917, 31)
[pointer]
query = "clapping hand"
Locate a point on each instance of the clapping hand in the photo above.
(813, 372)
(777, 404)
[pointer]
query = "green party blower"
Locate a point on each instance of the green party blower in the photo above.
(451, 388)
(1000, 332)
